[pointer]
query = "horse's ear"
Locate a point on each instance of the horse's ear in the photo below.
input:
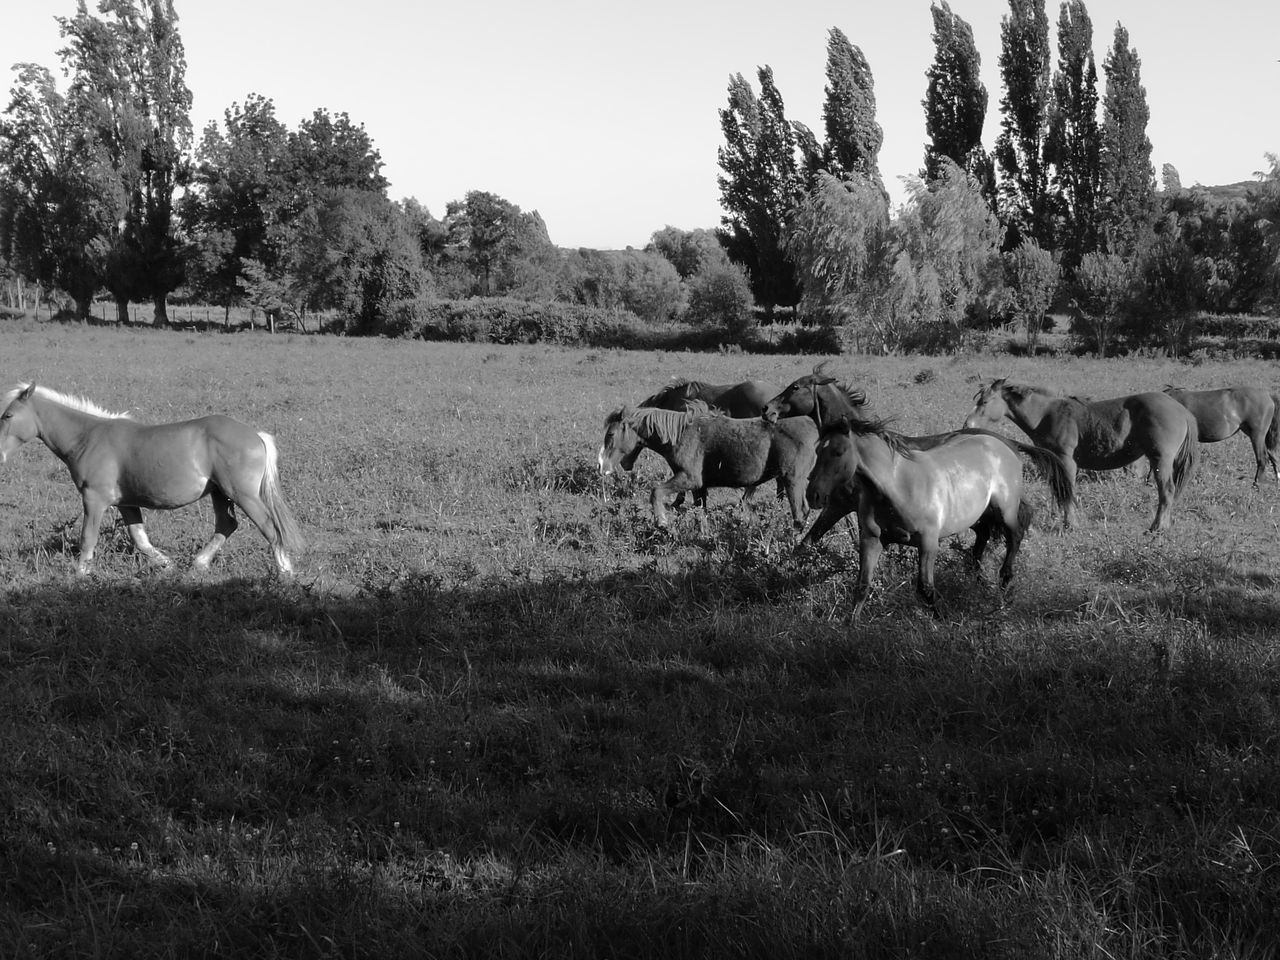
(820, 367)
(844, 426)
(823, 381)
(27, 392)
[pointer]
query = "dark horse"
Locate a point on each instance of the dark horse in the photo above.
(819, 397)
(1101, 434)
(712, 450)
(741, 400)
(918, 490)
(115, 461)
(1224, 413)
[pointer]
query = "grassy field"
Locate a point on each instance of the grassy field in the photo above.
(499, 714)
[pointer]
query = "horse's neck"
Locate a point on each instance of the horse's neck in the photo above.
(877, 464)
(61, 428)
(1031, 416)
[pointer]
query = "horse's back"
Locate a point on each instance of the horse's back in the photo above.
(746, 399)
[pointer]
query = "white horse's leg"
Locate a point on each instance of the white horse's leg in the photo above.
(132, 517)
(94, 508)
(224, 520)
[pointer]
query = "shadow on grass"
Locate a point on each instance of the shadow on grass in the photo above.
(618, 718)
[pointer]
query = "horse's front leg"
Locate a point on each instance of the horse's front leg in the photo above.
(680, 483)
(869, 550)
(132, 518)
(94, 507)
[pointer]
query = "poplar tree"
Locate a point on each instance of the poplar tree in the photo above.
(1127, 175)
(1025, 201)
(759, 187)
(130, 64)
(1074, 140)
(955, 102)
(853, 137)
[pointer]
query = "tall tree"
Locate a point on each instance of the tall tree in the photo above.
(1025, 200)
(1074, 141)
(237, 192)
(131, 65)
(1127, 175)
(853, 137)
(955, 102)
(760, 187)
(58, 200)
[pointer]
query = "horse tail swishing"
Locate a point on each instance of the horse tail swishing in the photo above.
(288, 535)
(1054, 470)
(1187, 458)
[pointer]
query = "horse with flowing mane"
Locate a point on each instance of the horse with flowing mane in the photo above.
(116, 461)
(712, 450)
(1101, 434)
(917, 490)
(1240, 409)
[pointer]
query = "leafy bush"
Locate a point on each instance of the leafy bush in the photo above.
(720, 295)
(503, 320)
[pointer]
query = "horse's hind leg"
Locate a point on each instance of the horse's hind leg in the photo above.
(1162, 470)
(132, 518)
(224, 524)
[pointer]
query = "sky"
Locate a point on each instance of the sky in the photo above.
(603, 116)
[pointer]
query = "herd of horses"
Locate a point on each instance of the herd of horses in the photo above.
(813, 437)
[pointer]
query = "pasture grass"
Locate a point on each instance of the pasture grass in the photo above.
(498, 713)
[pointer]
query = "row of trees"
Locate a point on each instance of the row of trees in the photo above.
(104, 187)
(1066, 198)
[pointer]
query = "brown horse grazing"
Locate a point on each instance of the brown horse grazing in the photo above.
(741, 400)
(1101, 434)
(1224, 413)
(817, 396)
(712, 450)
(918, 490)
(116, 461)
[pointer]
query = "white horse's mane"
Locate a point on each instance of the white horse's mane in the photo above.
(66, 399)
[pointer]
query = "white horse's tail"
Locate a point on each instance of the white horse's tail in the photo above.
(288, 534)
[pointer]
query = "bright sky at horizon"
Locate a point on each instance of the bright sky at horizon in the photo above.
(603, 117)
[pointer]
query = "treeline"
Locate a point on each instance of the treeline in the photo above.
(105, 187)
(1064, 211)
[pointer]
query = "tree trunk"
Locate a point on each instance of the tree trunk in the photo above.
(84, 308)
(161, 318)
(122, 310)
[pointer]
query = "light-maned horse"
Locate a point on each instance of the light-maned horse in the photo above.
(116, 461)
(742, 400)
(919, 490)
(1240, 409)
(712, 450)
(1101, 434)
(819, 397)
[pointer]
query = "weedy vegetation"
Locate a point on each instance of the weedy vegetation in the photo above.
(499, 713)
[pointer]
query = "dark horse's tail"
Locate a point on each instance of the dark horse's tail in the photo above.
(1054, 471)
(1184, 464)
(1273, 431)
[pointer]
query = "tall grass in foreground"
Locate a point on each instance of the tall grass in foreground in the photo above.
(499, 714)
